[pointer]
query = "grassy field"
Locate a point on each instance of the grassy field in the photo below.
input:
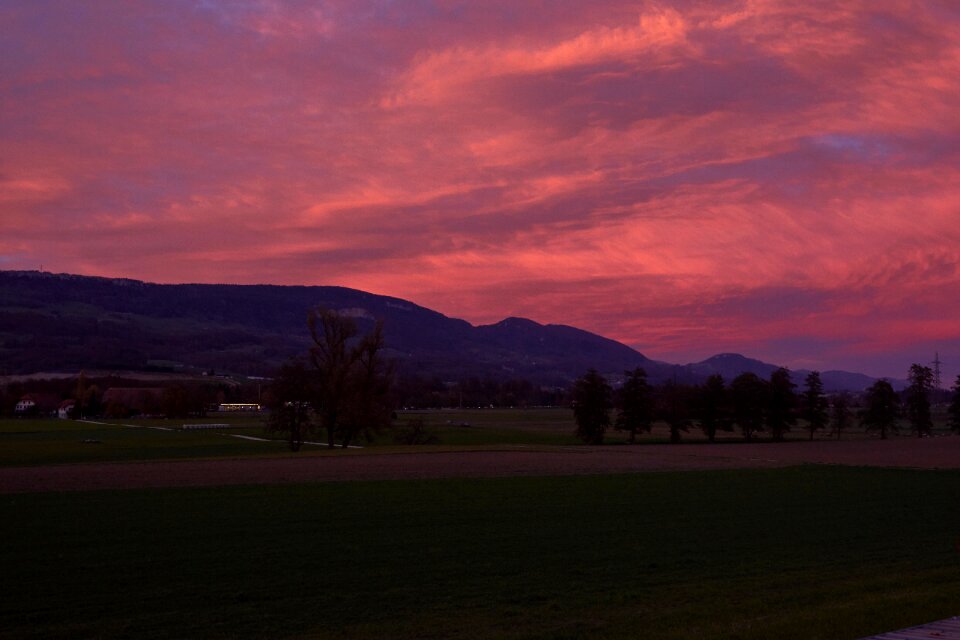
(51, 441)
(806, 552)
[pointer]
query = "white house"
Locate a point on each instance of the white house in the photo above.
(65, 409)
(25, 404)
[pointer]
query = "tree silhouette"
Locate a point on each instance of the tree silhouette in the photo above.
(289, 403)
(80, 395)
(749, 393)
(954, 410)
(713, 407)
(883, 407)
(815, 404)
(918, 399)
(841, 416)
(780, 403)
(636, 404)
(591, 406)
(673, 407)
(353, 380)
(369, 409)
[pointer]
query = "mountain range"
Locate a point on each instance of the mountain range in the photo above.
(63, 322)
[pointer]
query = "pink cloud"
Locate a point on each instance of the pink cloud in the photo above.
(750, 175)
(439, 75)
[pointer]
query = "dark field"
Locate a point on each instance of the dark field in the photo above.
(816, 551)
(804, 552)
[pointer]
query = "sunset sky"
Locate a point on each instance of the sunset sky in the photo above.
(779, 178)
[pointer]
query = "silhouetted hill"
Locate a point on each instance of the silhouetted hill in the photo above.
(846, 381)
(522, 347)
(730, 365)
(61, 322)
(66, 322)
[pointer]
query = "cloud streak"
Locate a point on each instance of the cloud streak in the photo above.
(778, 178)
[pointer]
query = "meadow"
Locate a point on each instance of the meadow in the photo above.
(26, 442)
(52, 441)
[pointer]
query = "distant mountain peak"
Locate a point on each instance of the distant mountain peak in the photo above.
(514, 322)
(730, 365)
(727, 356)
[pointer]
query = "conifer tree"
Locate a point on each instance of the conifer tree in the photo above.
(954, 410)
(814, 403)
(918, 400)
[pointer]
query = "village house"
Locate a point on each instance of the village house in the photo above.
(36, 404)
(65, 410)
(27, 404)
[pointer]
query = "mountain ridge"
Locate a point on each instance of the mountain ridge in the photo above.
(67, 321)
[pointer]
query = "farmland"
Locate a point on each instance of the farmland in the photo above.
(434, 547)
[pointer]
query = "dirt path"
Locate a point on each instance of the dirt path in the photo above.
(931, 453)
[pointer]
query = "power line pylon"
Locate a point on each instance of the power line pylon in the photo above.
(936, 370)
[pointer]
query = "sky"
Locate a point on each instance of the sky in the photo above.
(778, 178)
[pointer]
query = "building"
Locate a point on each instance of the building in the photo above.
(65, 410)
(27, 404)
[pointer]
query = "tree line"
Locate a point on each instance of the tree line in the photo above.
(753, 405)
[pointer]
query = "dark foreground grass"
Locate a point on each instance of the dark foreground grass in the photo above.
(807, 552)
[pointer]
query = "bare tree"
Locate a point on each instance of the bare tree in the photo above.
(353, 378)
(331, 355)
(368, 386)
(290, 407)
